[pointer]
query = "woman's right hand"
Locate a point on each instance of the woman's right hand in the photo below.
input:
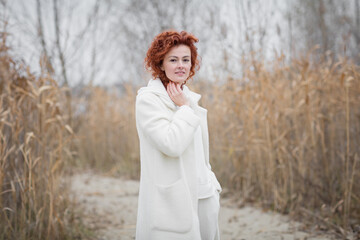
(176, 94)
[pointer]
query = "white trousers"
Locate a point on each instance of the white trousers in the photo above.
(208, 211)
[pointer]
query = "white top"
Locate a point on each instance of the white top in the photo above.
(205, 187)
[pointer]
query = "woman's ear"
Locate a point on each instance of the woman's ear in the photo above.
(162, 67)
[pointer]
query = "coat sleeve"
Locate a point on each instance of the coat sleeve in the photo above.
(171, 135)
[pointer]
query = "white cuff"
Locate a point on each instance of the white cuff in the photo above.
(186, 106)
(187, 114)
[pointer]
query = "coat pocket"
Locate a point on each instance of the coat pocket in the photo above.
(172, 210)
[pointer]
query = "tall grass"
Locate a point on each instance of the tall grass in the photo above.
(34, 138)
(289, 136)
(106, 137)
(285, 135)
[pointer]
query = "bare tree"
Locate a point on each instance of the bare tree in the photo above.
(45, 56)
(329, 24)
(57, 43)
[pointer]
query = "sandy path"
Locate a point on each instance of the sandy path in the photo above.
(109, 207)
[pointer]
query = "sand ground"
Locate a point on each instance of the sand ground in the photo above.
(109, 207)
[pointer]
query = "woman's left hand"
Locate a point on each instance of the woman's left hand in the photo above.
(176, 94)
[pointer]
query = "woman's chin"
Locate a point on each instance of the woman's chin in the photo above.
(178, 80)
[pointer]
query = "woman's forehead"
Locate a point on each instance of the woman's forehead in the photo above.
(181, 50)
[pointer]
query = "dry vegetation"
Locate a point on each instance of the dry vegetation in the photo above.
(290, 138)
(34, 139)
(286, 137)
(104, 123)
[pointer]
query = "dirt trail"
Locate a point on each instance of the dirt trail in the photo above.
(110, 204)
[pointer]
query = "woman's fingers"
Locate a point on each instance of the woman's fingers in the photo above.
(170, 91)
(176, 94)
(169, 88)
(178, 88)
(173, 89)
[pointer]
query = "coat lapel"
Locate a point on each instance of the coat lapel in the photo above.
(202, 113)
(155, 86)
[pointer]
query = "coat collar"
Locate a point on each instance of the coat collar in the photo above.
(155, 86)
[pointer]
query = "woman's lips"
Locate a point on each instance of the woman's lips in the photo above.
(180, 73)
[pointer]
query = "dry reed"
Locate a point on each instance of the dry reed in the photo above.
(106, 135)
(34, 138)
(289, 138)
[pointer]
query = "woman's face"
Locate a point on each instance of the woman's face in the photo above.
(177, 64)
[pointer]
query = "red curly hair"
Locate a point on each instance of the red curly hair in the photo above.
(162, 44)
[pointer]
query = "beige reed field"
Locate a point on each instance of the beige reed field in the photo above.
(35, 142)
(290, 137)
(285, 136)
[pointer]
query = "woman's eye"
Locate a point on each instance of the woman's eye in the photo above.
(186, 60)
(172, 60)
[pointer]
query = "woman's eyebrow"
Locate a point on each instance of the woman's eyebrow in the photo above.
(178, 57)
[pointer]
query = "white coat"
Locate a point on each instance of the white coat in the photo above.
(168, 194)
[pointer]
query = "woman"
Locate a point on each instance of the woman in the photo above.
(179, 194)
